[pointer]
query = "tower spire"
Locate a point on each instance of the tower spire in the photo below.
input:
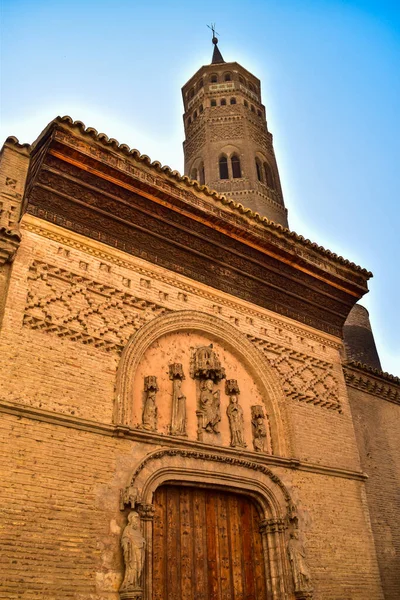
(217, 56)
(228, 146)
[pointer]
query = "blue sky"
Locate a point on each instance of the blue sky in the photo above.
(330, 73)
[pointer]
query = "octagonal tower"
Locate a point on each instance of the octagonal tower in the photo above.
(228, 146)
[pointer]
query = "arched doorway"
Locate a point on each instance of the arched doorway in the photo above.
(207, 545)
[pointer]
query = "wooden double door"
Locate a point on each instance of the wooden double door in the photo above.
(206, 546)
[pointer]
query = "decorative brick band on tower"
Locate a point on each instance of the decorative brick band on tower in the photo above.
(228, 146)
(358, 338)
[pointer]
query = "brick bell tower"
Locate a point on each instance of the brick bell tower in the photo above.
(228, 146)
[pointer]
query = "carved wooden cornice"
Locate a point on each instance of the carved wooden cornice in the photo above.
(89, 184)
(378, 383)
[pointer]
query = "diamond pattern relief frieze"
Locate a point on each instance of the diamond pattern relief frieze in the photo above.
(79, 308)
(304, 378)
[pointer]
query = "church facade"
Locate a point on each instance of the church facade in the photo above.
(181, 416)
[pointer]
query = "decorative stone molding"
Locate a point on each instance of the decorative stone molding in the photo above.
(71, 306)
(273, 525)
(234, 341)
(146, 512)
(144, 437)
(145, 474)
(383, 385)
(303, 377)
(248, 478)
(103, 252)
(9, 244)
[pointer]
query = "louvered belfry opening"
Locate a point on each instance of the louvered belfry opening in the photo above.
(206, 546)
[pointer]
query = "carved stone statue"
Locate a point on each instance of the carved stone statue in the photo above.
(206, 368)
(259, 429)
(300, 569)
(209, 406)
(133, 547)
(149, 416)
(178, 420)
(235, 414)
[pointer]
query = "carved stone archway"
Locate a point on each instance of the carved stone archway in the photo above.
(195, 468)
(222, 332)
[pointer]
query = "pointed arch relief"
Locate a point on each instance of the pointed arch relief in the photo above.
(234, 400)
(277, 515)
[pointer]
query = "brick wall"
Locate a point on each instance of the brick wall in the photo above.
(70, 311)
(377, 426)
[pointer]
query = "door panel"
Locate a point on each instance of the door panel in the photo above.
(206, 546)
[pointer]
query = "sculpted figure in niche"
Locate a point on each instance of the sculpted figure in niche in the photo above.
(149, 416)
(259, 428)
(133, 547)
(178, 419)
(206, 367)
(235, 414)
(210, 406)
(300, 569)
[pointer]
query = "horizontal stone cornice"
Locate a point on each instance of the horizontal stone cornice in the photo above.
(160, 440)
(380, 384)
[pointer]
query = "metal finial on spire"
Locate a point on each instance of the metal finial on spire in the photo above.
(217, 56)
(215, 33)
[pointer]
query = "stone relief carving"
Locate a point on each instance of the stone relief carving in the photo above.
(259, 429)
(226, 131)
(133, 547)
(304, 378)
(300, 569)
(78, 308)
(178, 418)
(149, 415)
(207, 370)
(235, 414)
(209, 413)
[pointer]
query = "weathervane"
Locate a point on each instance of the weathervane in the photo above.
(215, 33)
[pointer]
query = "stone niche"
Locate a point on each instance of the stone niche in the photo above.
(178, 348)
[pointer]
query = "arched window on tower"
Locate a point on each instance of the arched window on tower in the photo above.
(227, 77)
(259, 113)
(189, 120)
(202, 177)
(223, 102)
(213, 102)
(251, 87)
(214, 78)
(191, 93)
(201, 83)
(236, 170)
(195, 115)
(241, 80)
(246, 104)
(223, 168)
(252, 108)
(233, 100)
(269, 177)
(193, 174)
(259, 170)
(201, 108)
